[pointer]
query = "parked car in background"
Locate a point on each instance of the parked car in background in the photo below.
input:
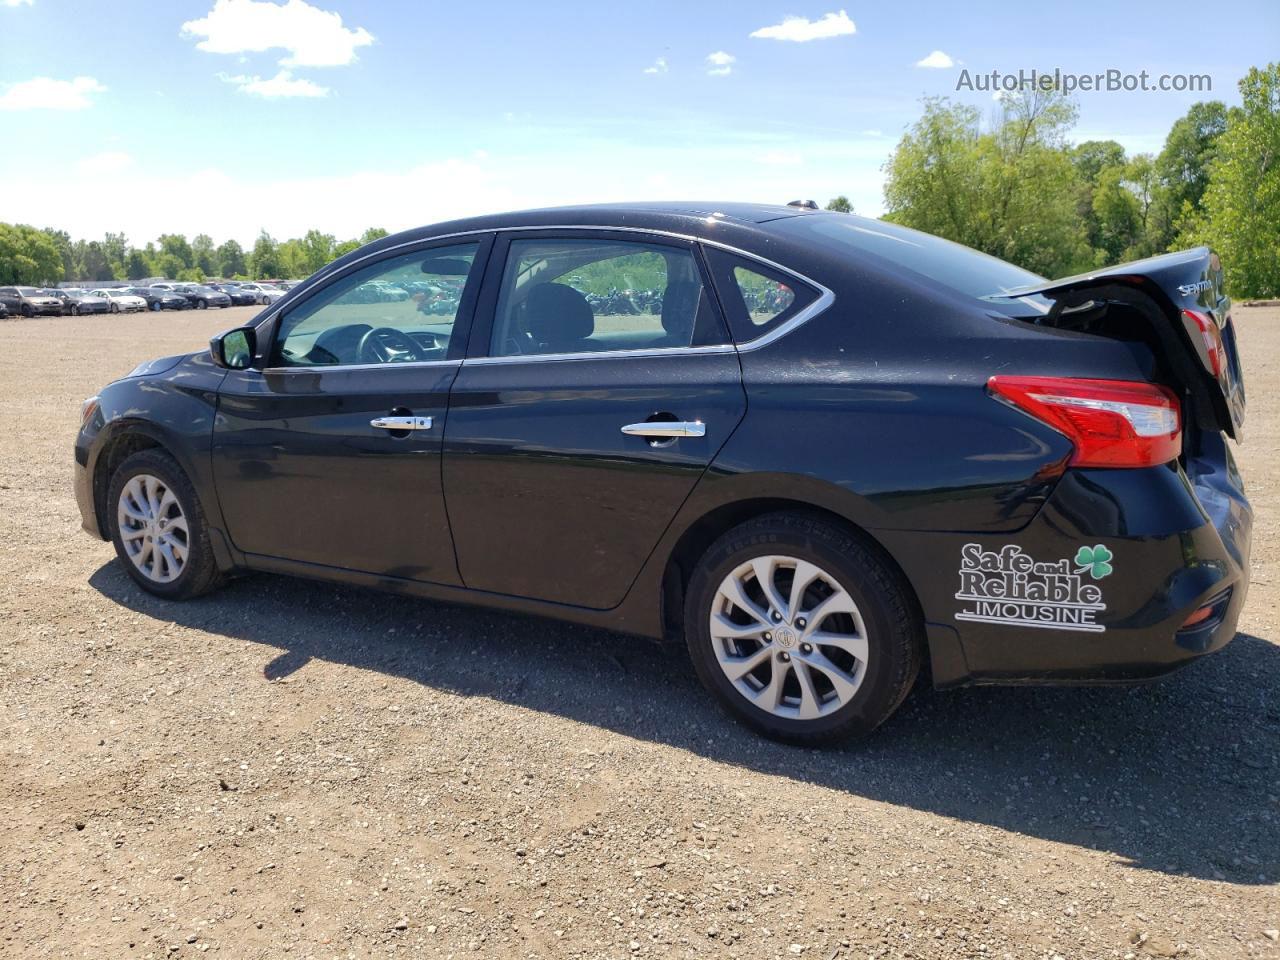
(263, 293)
(159, 298)
(119, 301)
(4, 311)
(240, 297)
(202, 297)
(30, 302)
(76, 302)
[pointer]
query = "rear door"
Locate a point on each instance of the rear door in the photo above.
(599, 384)
(330, 454)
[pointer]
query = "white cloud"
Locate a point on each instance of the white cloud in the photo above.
(15, 3)
(110, 161)
(938, 60)
(659, 66)
(45, 93)
(283, 84)
(720, 64)
(780, 158)
(312, 37)
(801, 30)
(873, 133)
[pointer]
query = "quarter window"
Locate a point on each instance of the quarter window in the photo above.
(764, 298)
(400, 310)
(757, 299)
(592, 296)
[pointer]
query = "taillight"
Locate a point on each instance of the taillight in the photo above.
(1112, 423)
(1212, 336)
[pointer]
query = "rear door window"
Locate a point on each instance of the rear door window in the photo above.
(575, 295)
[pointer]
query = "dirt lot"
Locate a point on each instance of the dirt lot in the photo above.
(291, 769)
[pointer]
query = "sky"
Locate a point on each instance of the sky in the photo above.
(228, 117)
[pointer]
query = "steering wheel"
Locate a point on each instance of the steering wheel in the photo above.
(376, 346)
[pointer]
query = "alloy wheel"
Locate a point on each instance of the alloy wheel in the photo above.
(789, 637)
(153, 528)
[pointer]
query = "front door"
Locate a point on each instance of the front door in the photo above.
(330, 454)
(600, 384)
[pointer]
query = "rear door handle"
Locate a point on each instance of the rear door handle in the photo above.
(401, 423)
(666, 428)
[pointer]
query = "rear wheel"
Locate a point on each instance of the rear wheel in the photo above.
(801, 629)
(115, 308)
(158, 527)
(75, 310)
(202, 304)
(27, 311)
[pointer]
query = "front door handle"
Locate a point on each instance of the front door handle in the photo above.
(666, 428)
(401, 423)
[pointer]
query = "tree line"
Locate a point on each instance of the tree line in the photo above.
(1018, 189)
(41, 257)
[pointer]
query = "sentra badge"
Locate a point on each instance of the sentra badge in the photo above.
(1007, 586)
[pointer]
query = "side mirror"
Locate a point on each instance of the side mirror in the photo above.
(234, 349)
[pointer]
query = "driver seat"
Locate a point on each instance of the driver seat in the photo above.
(559, 318)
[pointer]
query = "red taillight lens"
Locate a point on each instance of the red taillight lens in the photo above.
(1212, 336)
(1112, 423)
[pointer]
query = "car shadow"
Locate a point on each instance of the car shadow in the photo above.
(1177, 776)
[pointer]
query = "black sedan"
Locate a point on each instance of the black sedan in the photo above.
(827, 451)
(30, 302)
(239, 297)
(202, 297)
(159, 298)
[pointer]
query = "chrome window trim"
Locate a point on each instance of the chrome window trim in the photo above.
(599, 354)
(824, 301)
(325, 367)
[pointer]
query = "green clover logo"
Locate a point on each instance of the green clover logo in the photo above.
(1094, 559)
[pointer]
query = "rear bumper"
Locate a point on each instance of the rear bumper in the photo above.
(1046, 605)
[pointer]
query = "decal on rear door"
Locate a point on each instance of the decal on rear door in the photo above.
(1008, 586)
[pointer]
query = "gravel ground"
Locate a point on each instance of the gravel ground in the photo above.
(292, 769)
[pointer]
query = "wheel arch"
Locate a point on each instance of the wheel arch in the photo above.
(701, 533)
(124, 441)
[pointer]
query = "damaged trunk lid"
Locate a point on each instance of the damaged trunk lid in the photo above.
(1182, 298)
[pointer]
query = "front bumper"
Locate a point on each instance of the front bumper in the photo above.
(1097, 588)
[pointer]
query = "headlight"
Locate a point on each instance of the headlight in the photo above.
(87, 409)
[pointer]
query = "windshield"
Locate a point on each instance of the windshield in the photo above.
(29, 291)
(956, 266)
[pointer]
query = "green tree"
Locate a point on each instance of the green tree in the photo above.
(28, 256)
(203, 256)
(372, 234)
(840, 204)
(1240, 217)
(1011, 191)
(1183, 164)
(66, 250)
(230, 257)
(345, 247)
(176, 246)
(1115, 215)
(264, 261)
(95, 263)
(136, 266)
(115, 247)
(317, 250)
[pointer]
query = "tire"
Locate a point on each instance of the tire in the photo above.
(155, 305)
(199, 571)
(75, 310)
(115, 308)
(202, 304)
(844, 697)
(27, 311)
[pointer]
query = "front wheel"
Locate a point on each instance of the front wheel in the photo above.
(158, 527)
(802, 629)
(202, 304)
(115, 308)
(75, 310)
